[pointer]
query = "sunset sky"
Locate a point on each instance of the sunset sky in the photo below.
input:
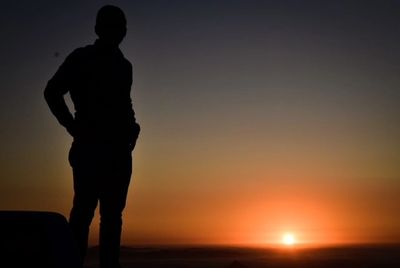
(258, 117)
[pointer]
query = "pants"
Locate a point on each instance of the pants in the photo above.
(101, 173)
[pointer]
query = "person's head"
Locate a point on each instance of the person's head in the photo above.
(110, 25)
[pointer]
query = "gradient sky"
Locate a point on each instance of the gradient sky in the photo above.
(258, 117)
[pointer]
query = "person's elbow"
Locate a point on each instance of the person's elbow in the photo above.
(51, 91)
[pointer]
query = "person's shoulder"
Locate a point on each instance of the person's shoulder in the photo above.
(81, 52)
(80, 56)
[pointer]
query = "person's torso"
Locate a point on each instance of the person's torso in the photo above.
(101, 94)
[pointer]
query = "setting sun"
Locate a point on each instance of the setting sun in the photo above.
(288, 239)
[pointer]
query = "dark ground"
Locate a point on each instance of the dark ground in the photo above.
(379, 256)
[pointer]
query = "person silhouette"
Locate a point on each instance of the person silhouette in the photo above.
(98, 78)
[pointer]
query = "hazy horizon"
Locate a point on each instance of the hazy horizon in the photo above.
(256, 258)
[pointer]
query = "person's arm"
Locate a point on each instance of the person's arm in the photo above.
(55, 90)
(134, 131)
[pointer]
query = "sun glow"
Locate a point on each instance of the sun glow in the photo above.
(288, 239)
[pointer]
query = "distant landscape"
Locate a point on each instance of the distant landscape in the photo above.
(223, 257)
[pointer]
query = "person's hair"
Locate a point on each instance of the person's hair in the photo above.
(110, 15)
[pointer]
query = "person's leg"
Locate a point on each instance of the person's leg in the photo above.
(112, 202)
(85, 196)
